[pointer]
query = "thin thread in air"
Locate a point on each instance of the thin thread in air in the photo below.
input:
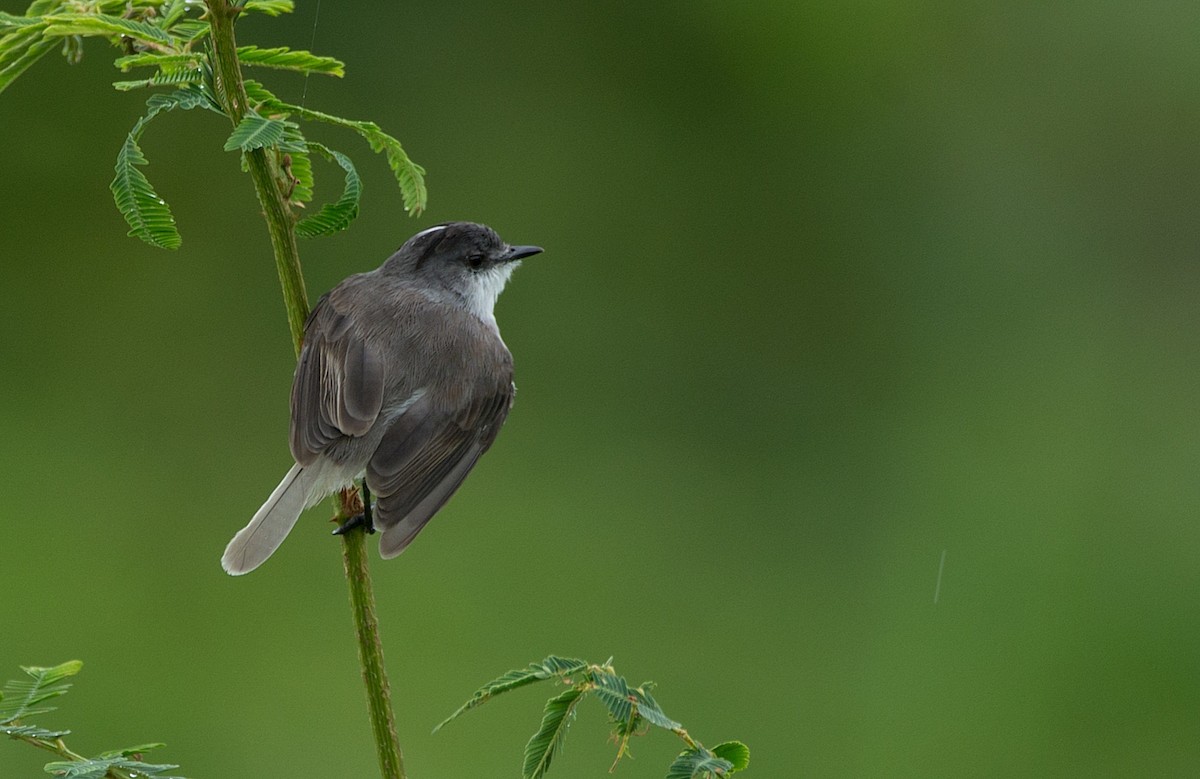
(311, 44)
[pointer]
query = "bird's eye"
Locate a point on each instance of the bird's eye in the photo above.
(475, 260)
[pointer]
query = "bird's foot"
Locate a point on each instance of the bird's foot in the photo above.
(362, 520)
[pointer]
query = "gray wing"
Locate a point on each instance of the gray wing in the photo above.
(339, 382)
(422, 460)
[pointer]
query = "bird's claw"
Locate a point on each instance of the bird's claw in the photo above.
(362, 520)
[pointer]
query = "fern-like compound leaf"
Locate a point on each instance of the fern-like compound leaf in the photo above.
(290, 59)
(338, 215)
(547, 742)
(21, 697)
(551, 667)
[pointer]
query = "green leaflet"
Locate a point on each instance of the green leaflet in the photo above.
(737, 753)
(550, 667)
(257, 132)
(147, 214)
(188, 61)
(103, 24)
(699, 763)
(333, 216)
(649, 710)
(161, 79)
(171, 12)
(260, 95)
(186, 98)
(9, 20)
(626, 705)
(300, 169)
(613, 691)
(289, 59)
(269, 7)
(409, 175)
(21, 697)
(19, 50)
(547, 742)
(31, 731)
(628, 709)
(99, 767)
(280, 57)
(191, 30)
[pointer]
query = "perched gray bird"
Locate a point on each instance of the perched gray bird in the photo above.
(403, 380)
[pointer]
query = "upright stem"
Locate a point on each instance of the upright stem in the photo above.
(280, 223)
(370, 655)
(262, 166)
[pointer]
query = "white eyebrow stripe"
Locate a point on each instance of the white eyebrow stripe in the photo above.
(429, 230)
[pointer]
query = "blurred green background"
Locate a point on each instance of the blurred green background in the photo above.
(830, 289)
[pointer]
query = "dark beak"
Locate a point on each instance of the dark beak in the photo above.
(517, 252)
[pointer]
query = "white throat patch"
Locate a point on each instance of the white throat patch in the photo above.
(485, 290)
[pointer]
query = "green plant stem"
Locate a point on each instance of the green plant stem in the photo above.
(370, 655)
(59, 747)
(280, 224)
(262, 167)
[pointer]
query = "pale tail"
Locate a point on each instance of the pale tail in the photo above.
(258, 540)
